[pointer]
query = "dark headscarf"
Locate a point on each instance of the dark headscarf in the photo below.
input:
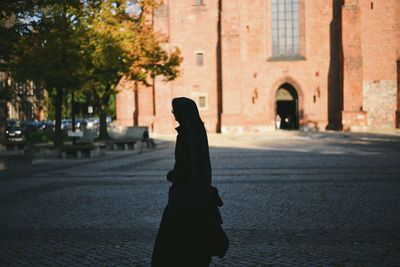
(192, 128)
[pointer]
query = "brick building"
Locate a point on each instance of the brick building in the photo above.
(332, 64)
(25, 102)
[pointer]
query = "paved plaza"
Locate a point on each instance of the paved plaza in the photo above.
(291, 199)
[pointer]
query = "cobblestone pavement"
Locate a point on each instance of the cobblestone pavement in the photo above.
(291, 199)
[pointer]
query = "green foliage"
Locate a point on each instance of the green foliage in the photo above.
(112, 106)
(80, 100)
(49, 53)
(49, 50)
(122, 44)
(82, 46)
(40, 137)
(46, 136)
(10, 27)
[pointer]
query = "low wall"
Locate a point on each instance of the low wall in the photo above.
(14, 159)
(115, 132)
(126, 132)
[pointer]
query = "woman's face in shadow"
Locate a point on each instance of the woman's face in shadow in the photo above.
(184, 110)
(174, 113)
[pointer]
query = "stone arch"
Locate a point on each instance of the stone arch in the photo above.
(294, 88)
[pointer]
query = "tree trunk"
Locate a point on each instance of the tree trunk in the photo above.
(4, 96)
(136, 107)
(103, 133)
(73, 115)
(58, 107)
(3, 120)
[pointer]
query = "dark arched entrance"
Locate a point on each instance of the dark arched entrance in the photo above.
(287, 107)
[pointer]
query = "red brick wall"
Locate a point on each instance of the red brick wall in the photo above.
(353, 117)
(163, 121)
(247, 69)
(125, 103)
(146, 109)
(231, 58)
(380, 49)
(368, 38)
(380, 39)
(193, 29)
(352, 57)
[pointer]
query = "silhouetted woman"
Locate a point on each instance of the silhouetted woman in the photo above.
(190, 230)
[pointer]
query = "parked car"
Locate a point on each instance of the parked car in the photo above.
(15, 133)
(46, 125)
(90, 122)
(66, 124)
(30, 126)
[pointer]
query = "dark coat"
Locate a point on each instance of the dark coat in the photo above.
(191, 215)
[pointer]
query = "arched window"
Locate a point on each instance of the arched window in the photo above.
(285, 29)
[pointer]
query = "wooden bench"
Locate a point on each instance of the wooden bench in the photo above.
(132, 143)
(123, 144)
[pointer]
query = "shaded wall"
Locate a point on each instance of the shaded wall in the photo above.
(335, 76)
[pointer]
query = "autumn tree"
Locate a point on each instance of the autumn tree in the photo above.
(50, 53)
(69, 45)
(122, 43)
(10, 27)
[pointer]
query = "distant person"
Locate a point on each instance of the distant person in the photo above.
(190, 231)
(145, 135)
(83, 125)
(278, 121)
(147, 141)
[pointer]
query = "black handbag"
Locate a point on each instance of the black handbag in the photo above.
(219, 242)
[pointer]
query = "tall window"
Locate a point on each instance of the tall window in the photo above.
(285, 28)
(198, 2)
(199, 58)
(202, 101)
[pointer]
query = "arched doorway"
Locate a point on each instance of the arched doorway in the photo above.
(287, 107)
